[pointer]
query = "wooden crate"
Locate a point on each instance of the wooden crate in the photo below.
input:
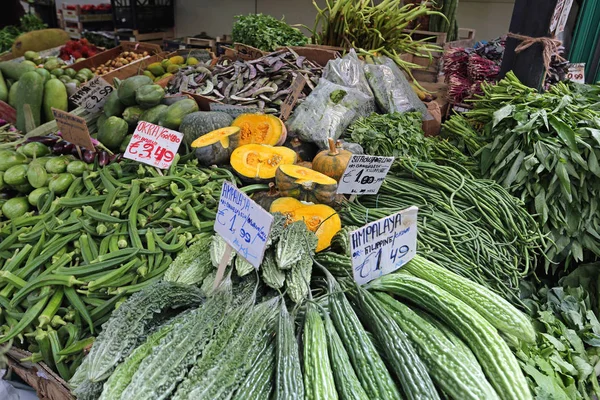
(101, 58)
(152, 37)
(135, 68)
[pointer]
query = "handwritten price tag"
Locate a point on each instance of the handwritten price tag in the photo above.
(364, 174)
(93, 94)
(154, 145)
(243, 224)
(73, 128)
(383, 246)
(576, 72)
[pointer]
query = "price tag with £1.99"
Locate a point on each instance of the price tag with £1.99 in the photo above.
(364, 174)
(383, 246)
(153, 145)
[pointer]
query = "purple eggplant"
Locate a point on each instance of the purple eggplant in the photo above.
(89, 156)
(103, 158)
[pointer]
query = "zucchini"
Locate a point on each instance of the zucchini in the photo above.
(499, 312)
(288, 373)
(370, 369)
(346, 382)
(319, 383)
(494, 355)
(452, 371)
(401, 356)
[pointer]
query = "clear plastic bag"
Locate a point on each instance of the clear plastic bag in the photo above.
(348, 71)
(327, 112)
(391, 89)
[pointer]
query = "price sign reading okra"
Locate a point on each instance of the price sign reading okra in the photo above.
(383, 246)
(93, 94)
(153, 145)
(364, 174)
(243, 224)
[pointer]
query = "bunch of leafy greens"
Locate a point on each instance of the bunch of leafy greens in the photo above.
(543, 148)
(265, 32)
(401, 135)
(8, 34)
(565, 361)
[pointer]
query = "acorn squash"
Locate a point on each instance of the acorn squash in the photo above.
(319, 218)
(266, 198)
(260, 129)
(305, 184)
(306, 150)
(332, 162)
(258, 162)
(215, 147)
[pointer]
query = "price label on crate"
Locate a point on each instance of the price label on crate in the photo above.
(364, 174)
(153, 145)
(383, 246)
(243, 224)
(576, 72)
(93, 94)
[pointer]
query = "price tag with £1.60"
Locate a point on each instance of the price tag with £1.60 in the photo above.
(383, 246)
(364, 174)
(153, 145)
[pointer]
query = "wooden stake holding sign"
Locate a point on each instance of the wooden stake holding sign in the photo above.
(290, 101)
(244, 225)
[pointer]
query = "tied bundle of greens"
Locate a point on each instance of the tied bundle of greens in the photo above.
(543, 148)
(265, 32)
(401, 134)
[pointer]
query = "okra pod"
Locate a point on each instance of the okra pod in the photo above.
(133, 232)
(78, 305)
(30, 315)
(81, 201)
(15, 261)
(45, 281)
(55, 346)
(113, 275)
(76, 347)
(7, 276)
(43, 342)
(100, 217)
(51, 308)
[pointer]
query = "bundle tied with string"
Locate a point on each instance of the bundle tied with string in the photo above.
(550, 47)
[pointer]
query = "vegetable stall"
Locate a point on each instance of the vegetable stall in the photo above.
(116, 274)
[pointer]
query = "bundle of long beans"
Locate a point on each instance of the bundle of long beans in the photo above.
(471, 226)
(373, 29)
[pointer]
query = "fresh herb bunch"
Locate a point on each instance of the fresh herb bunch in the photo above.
(8, 34)
(401, 134)
(265, 32)
(544, 148)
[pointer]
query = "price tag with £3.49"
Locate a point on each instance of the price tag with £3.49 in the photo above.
(364, 174)
(383, 246)
(153, 145)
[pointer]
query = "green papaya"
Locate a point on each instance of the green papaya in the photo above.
(112, 132)
(128, 87)
(30, 91)
(113, 106)
(153, 114)
(55, 96)
(149, 95)
(132, 114)
(173, 115)
(13, 70)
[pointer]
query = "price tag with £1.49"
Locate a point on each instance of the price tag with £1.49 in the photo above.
(93, 94)
(364, 174)
(153, 145)
(383, 246)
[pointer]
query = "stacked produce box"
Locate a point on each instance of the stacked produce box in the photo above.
(112, 275)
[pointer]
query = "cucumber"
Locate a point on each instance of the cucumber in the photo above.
(499, 312)
(30, 91)
(35, 150)
(55, 96)
(16, 175)
(60, 183)
(37, 175)
(499, 363)
(15, 207)
(3, 88)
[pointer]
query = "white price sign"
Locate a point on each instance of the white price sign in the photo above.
(153, 145)
(93, 94)
(383, 246)
(364, 174)
(243, 224)
(576, 72)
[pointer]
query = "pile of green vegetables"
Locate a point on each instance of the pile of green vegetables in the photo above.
(265, 32)
(446, 21)
(92, 238)
(544, 149)
(373, 29)
(8, 34)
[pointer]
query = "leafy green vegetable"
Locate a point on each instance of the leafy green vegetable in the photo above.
(265, 32)
(8, 34)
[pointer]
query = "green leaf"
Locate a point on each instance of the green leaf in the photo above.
(566, 134)
(541, 207)
(502, 113)
(563, 177)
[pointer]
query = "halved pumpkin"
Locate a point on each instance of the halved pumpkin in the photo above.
(259, 162)
(215, 147)
(319, 218)
(260, 129)
(305, 184)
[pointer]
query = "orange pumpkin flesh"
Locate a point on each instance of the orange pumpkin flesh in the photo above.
(332, 162)
(260, 129)
(319, 218)
(260, 162)
(215, 147)
(305, 184)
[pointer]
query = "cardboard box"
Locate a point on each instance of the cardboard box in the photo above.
(101, 58)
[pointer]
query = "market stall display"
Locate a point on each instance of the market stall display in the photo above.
(116, 273)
